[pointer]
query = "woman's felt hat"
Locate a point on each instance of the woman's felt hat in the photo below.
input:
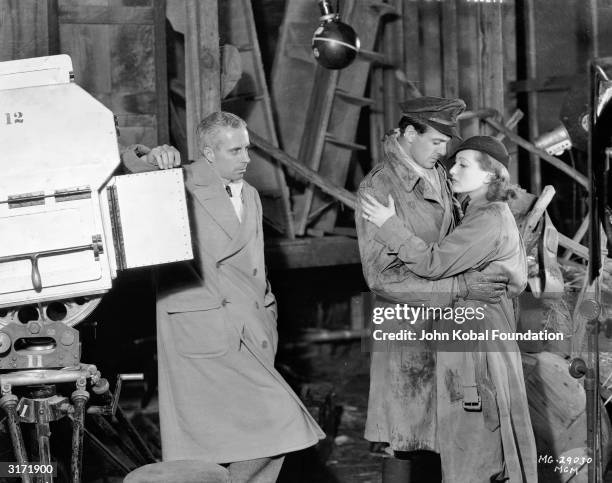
(485, 144)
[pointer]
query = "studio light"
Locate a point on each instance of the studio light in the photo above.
(334, 44)
(573, 130)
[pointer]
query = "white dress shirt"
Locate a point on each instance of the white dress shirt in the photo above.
(236, 198)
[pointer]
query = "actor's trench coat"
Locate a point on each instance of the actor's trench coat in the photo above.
(401, 406)
(220, 397)
(475, 446)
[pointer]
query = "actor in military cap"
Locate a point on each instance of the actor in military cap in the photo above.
(484, 428)
(402, 401)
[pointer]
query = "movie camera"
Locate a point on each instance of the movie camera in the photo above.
(67, 227)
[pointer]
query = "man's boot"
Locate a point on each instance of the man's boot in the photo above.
(395, 470)
(412, 467)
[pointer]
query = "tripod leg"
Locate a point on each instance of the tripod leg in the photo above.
(134, 435)
(44, 450)
(8, 402)
(102, 390)
(111, 456)
(79, 399)
(109, 429)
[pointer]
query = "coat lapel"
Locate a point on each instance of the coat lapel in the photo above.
(215, 200)
(429, 192)
(209, 191)
(248, 226)
(447, 204)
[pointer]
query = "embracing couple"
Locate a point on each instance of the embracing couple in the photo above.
(445, 240)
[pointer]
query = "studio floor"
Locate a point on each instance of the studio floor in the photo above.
(344, 369)
(338, 372)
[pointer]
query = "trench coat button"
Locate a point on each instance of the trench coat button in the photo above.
(224, 302)
(264, 344)
(254, 271)
(257, 305)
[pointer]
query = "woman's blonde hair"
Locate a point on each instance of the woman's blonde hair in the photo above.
(499, 187)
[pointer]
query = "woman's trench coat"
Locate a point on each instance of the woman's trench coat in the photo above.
(220, 397)
(474, 446)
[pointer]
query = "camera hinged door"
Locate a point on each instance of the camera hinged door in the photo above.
(147, 215)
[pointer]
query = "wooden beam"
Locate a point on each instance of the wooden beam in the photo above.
(594, 30)
(161, 72)
(582, 230)
(431, 58)
(23, 29)
(511, 124)
(178, 128)
(491, 80)
(450, 55)
(341, 194)
(532, 99)
(53, 27)
(538, 209)
(203, 77)
(468, 30)
(324, 251)
(508, 35)
(377, 114)
(547, 84)
(292, 76)
(106, 15)
(393, 50)
(574, 246)
(410, 20)
(556, 162)
(313, 142)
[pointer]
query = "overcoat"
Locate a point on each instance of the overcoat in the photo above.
(401, 406)
(220, 397)
(497, 441)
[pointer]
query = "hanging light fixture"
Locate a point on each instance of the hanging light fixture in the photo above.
(334, 43)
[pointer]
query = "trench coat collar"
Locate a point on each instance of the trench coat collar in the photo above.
(209, 190)
(203, 173)
(409, 178)
(482, 202)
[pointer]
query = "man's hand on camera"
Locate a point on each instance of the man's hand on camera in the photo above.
(164, 157)
(485, 288)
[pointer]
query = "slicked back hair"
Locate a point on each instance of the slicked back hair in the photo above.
(419, 127)
(210, 126)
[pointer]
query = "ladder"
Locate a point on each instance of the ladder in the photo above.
(317, 109)
(250, 100)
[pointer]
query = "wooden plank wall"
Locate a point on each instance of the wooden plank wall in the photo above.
(117, 49)
(118, 52)
(24, 30)
(462, 48)
(293, 72)
(202, 67)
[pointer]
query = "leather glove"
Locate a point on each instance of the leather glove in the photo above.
(485, 288)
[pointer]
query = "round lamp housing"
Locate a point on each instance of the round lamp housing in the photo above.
(335, 44)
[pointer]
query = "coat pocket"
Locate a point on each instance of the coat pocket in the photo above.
(199, 328)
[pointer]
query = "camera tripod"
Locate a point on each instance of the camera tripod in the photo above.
(42, 405)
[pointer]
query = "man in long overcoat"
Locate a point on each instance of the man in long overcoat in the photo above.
(402, 401)
(220, 397)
